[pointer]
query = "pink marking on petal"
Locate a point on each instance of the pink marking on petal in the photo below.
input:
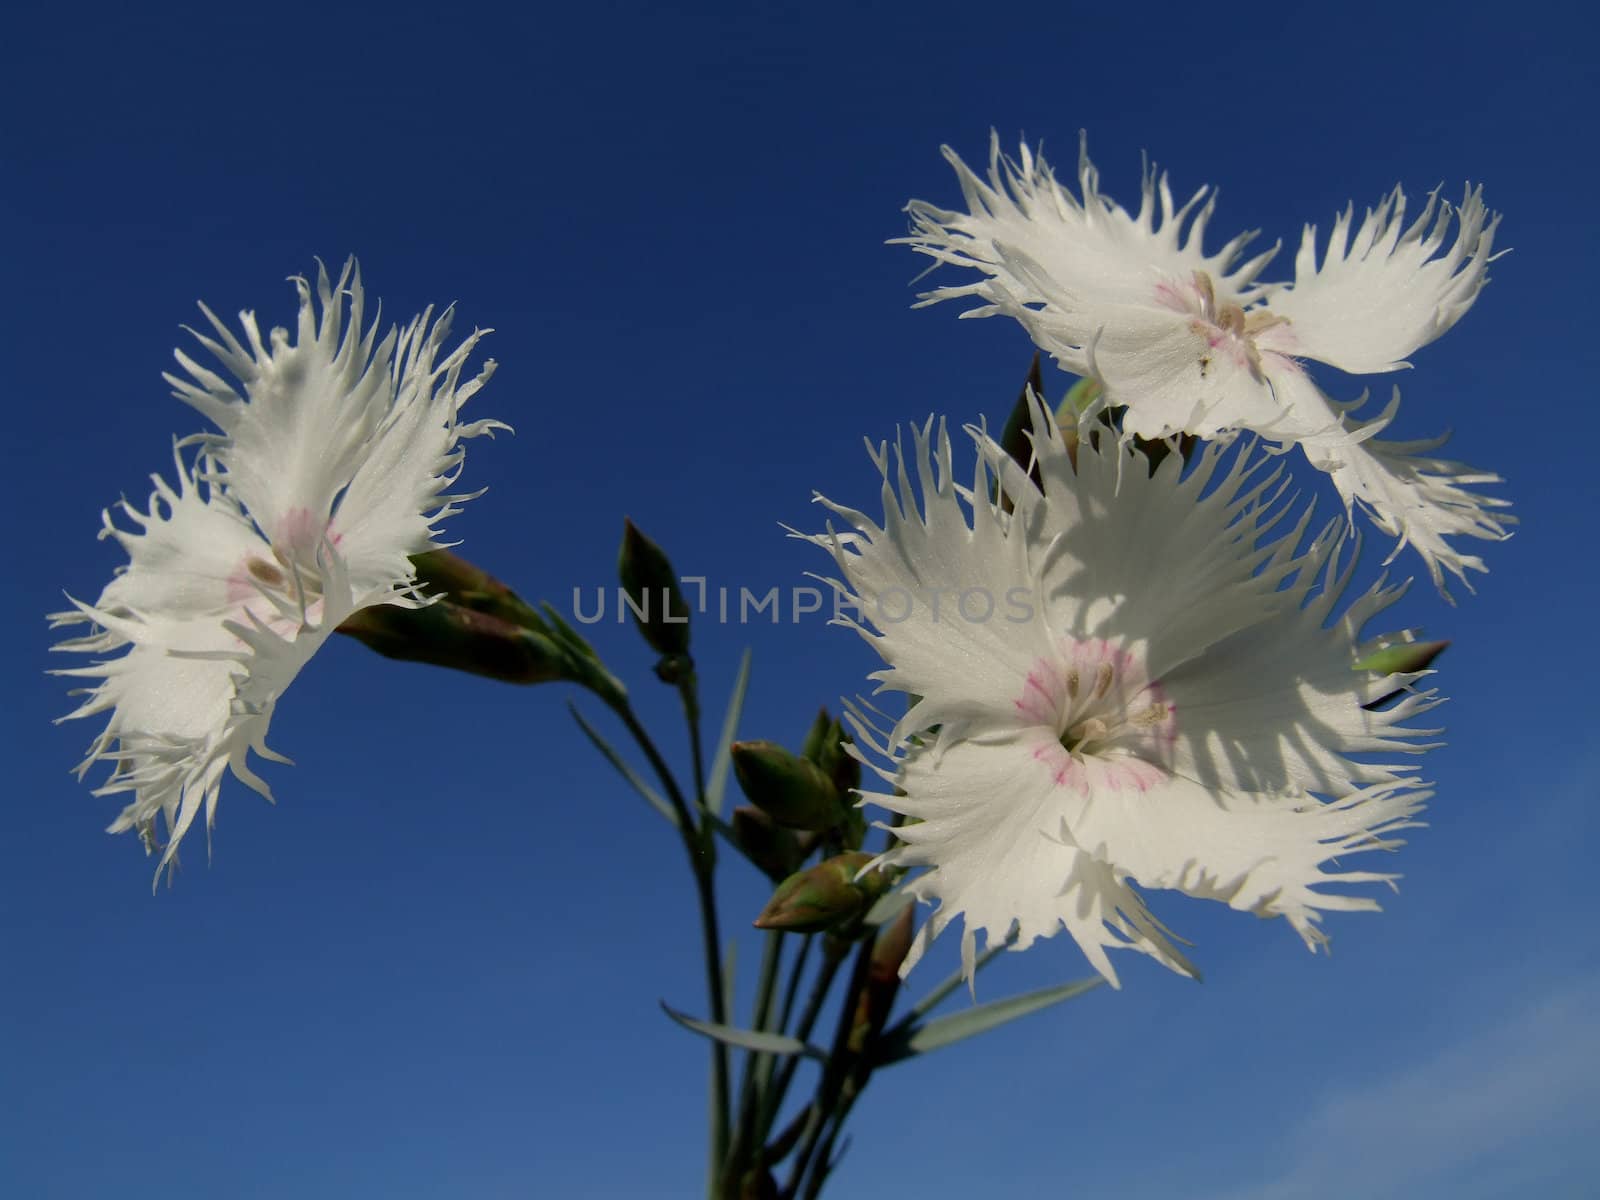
(299, 534)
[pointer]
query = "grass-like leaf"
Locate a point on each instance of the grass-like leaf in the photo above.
(654, 797)
(745, 1039)
(909, 1041)
(717, 781)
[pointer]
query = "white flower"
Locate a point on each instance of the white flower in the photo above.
(1131, 684)
(1194, 343)
(333, 464)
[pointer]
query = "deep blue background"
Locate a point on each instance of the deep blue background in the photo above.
(432, 969)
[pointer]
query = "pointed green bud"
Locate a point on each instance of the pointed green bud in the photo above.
(877, 997)
(448, 635)
(844, 770)
(1080, 397)
(673, 669)
(792, 791)
(774, 850)
(837, 763)
(1014, 438)
(651, 586)
(817, 735)
(1402, 658)
(441, 573)
(822, 896)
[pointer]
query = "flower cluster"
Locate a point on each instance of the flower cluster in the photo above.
(332, 463)
(1179, 710)
(1197, 343)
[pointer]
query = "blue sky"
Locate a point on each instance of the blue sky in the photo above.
(432, 968)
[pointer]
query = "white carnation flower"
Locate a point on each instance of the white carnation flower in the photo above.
(333, 465)
(1195, 343)
(1121, 682)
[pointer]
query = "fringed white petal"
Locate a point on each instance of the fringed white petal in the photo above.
(1169, 562)
(1037, 244)
(332, 431)
(186, 553)
(1259, 853)
(1420, 500)
(400, 489)
(989, 829)
(1174, 374)
(1277, 708)
(207, 650)
(1378, 296)
(941, 591)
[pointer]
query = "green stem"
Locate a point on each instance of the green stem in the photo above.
(824, 1158)
(757, 1066)
(834, 1072)
(688, 689)
(793, 987)
(701, 862)
(833, 955)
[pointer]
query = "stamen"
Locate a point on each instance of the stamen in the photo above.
(265, 572)
(1102, 680)
(1153, 715)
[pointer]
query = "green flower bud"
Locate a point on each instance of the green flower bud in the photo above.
(1078, 400)
(776, 851)
(877, 997)
(817, 735)
(823, 896)
(792, 791)
(448, 635)
(1014, 438)
(837, 763)
(652, 589)
(1402, 658)
(441, 573)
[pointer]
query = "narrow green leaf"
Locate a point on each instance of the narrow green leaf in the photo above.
(956, 1027)
(717, 782)
(951, 982)
(616, 760)
(745, 1039)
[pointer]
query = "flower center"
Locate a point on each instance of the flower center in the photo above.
(1226, 328)
(282, 583)
(1099, 704)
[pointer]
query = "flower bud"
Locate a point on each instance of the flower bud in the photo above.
(774, 850)
(1402, 658)
(792, 791)
(1014, 438)
(817, 735)
(652, 590)
(441, 573)
(837, 763)
(822, 896)
(1080, 397)
(877, 997)
(448, 635)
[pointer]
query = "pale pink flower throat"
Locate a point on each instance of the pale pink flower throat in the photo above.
(1102, 711)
